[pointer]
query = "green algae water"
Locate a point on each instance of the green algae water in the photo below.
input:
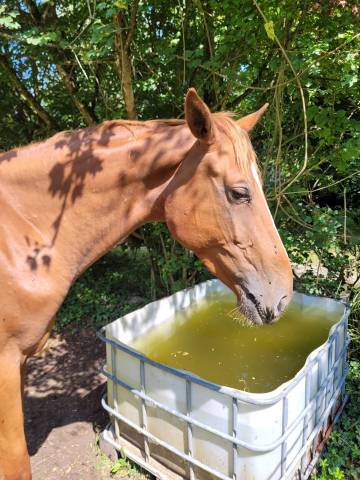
(207, 341)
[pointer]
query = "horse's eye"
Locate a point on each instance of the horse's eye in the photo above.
(239, 195)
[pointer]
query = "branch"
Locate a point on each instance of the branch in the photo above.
(15, 38)
(49, 17)
(34, 11)
(66, 74)
(303, 103)
(205, 10)
(325, 187)
(25, 94)
(72, 89)
(231, 105)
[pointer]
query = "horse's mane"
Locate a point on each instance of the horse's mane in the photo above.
(243, 151)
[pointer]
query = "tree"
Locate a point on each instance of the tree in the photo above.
(71, 64)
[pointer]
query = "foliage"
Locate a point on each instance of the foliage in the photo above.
(65, 65)
(64, 55)
(118, 289)
(343, 448)
(172, 268)
(125, 467)
(121, 468)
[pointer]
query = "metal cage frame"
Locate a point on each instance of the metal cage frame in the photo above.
(335, 401)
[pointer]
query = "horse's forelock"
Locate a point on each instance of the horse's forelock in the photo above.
(244, 153)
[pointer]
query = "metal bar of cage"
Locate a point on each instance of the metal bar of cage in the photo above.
(235, 432)
(143, 409)
(192, 460)
(225, 436)
(189, 426)
(285, 413)
(160, 442)
(305, 423)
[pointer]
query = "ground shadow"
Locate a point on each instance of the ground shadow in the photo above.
(64, 386)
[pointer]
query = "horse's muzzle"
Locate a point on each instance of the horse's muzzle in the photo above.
(255, 311)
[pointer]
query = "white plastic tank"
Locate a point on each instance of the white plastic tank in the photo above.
(177, 425)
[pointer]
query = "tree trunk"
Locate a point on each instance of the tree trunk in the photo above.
(127, 87)
(122, 43)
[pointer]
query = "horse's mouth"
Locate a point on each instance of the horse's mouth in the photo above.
(251, 308)
(249, 312)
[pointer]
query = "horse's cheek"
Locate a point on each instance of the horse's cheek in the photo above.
(180, 222)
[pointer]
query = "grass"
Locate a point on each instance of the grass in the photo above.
(121, 468)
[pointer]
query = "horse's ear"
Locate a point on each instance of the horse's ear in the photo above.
(198, 117)
(249, 121)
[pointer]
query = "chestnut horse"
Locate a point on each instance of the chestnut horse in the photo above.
(66, 201)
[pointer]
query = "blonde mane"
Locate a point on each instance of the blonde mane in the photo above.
(244, 153)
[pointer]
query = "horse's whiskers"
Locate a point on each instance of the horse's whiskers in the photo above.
(233, 310)
(235, 315)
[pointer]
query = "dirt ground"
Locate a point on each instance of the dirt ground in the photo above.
(62, 410)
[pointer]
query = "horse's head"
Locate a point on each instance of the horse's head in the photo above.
(216, 207)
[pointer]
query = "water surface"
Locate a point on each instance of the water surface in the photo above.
(207, 341)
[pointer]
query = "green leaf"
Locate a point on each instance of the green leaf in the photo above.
(269, 28)
(41, 38)
(8, 21)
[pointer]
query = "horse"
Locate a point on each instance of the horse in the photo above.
(66, 201)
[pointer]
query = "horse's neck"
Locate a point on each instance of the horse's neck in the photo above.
(89, 190)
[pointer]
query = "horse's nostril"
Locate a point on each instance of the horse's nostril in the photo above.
(282, 304)
(268, 316)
